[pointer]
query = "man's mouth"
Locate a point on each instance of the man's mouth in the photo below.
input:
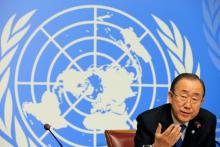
(185, 113)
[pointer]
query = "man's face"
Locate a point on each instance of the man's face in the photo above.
(186, 99)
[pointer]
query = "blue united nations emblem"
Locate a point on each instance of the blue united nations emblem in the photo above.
(87, 69)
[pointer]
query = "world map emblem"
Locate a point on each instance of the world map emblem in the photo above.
(85, 74)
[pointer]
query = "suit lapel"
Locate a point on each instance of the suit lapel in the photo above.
(193, 133)
(166, 118)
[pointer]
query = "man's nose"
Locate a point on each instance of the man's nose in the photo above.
(188, 103)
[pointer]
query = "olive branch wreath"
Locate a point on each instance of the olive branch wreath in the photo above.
(178, 47)
(211, 14)
(12, 33)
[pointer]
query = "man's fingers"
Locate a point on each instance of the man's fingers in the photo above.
(175, 138)
(175, 131)
(158, 130)
(169, 136)
(174, 134)
(168, 130)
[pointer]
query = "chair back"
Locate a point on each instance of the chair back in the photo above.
(120, 138)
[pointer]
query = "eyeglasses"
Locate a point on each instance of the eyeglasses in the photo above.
(184, 98)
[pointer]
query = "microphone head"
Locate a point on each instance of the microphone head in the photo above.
(47, 126)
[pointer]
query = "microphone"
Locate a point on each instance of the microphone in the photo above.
(47, 128)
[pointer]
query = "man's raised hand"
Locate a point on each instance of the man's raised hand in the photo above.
(169, 137)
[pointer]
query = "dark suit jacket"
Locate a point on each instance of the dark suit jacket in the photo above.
(199, 133)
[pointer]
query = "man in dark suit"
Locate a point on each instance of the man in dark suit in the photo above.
(182, 122)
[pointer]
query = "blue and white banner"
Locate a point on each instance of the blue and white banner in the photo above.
(87, 66)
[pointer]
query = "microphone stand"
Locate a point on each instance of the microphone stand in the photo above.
(56, 139)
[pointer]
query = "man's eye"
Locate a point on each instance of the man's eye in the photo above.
(183, 96)
(194, 98)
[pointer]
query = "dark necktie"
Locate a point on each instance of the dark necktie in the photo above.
(180, 141)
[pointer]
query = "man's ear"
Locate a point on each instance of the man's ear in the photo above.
(170, 96)
(203, 99)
